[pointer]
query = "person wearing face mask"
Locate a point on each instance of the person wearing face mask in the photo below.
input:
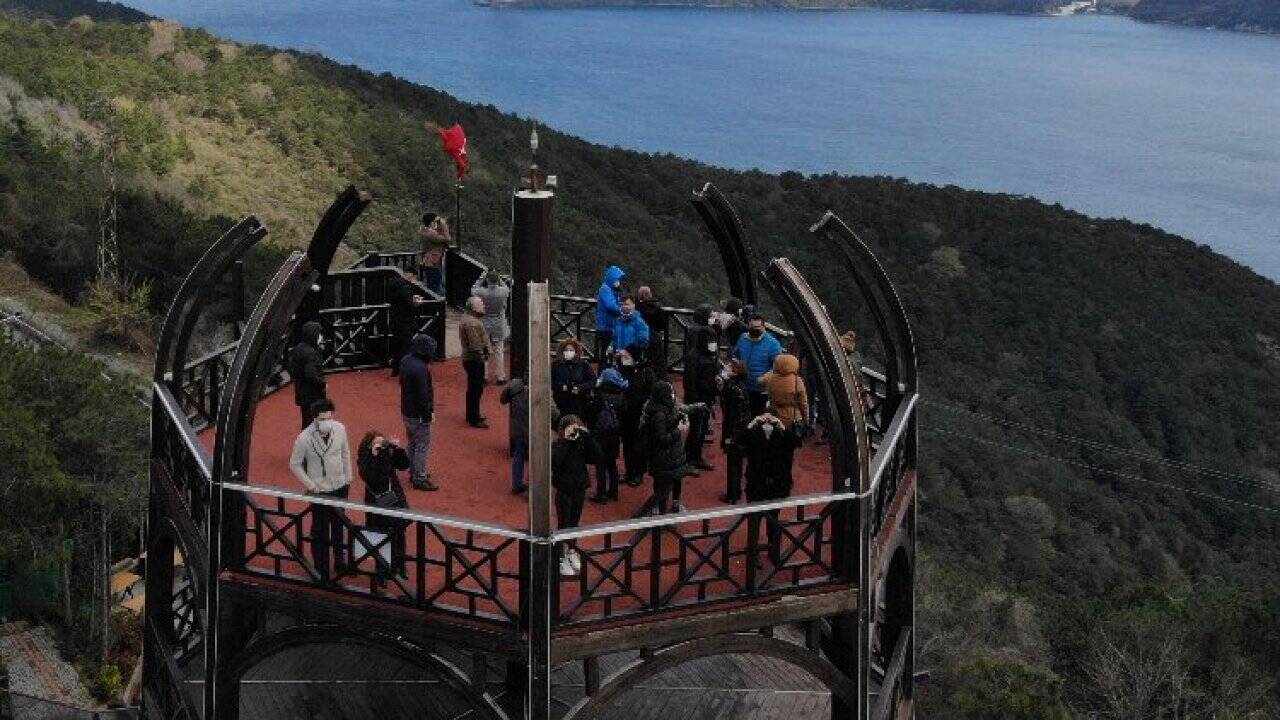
(304, 369)
(608, 298)
(631, 329)
(663, 432)
(495, 292)
(735, 410)
(757, 349)
(606, 424)
(475, 352)
(640, 380)
(321, 461)
(701, 365)
(572, 379)
(571, 454)
(769, 449)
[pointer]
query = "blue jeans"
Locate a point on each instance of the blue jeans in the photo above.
(519, 456)
(418, 436)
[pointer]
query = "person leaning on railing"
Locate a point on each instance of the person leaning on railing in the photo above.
(659, 322)
(768, 447)
(321, 460)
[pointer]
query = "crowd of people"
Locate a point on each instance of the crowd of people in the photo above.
(615, 410)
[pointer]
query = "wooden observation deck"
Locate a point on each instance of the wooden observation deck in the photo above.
(480, 601)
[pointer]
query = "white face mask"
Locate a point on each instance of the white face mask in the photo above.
(768, 429)
(569, 354)
(319, 340)
(628, 362)
(324, 426)
(712, 347)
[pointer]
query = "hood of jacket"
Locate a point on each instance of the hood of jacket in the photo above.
(613, 274)
(424, 346)
(786, 364)
(310, 333)
(663, 394)
(702, 315)
(611, 376)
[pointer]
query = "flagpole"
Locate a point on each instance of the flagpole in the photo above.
(457, 213)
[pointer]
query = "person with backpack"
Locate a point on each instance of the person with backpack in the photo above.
(662, 432)
(606, 424)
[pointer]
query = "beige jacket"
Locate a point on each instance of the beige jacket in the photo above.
(322, 464)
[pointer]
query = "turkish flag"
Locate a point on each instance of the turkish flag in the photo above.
(454, 141)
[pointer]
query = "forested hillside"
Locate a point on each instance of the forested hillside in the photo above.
(1113, 508)
(1257, 15)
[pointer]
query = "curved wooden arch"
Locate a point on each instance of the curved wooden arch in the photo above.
(840, 685)
(881, 296)
(482, 703)
(818, 338)
(263, 342)
(193, 295)
(726, 230)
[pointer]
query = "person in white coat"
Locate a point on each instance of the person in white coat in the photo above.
(321, 461)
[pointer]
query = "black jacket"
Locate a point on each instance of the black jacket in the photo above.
(701, 368)
(769, 462)
(304, 366)
(570, 460)
(576, 373)
(417, 395)
(640, 381)
(660, 424)
(378, 471)
(735, 408)
(655, 317)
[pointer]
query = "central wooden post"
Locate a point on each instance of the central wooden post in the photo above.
(540, 607)
(532, 254)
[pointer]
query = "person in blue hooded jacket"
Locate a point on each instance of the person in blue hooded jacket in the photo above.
(608, 307)
(630, 328)
(757, 349)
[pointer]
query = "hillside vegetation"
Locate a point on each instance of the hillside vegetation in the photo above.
(1057, 570)
(1255, 15)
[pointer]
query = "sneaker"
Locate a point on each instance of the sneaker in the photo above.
(481, 424)
(676, 508)
(599, 499)
(575, 560)
(704, 465)
(634, 481)
(566, 567)
(519, 489)
(724, 498)
(426, 485)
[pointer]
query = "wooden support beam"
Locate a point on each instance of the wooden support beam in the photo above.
(648, 633)
(543, 571)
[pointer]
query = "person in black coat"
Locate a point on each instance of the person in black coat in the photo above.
(304, 370)
(732, 323)
(769, 449)
(378, 459)
(659, 322)
(606, 424)
(701, 368)
(664, 430)
(403, 299)
(735, 413)
(571, 455)
(640, 380)
(418, 407)
(572, 379)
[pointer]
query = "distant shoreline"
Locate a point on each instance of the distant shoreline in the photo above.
(1066, 9)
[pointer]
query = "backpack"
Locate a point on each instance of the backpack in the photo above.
(606, 422)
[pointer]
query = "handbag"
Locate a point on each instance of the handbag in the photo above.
(801, 427)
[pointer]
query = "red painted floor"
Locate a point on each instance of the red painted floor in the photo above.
(476, 574)
(471, 466)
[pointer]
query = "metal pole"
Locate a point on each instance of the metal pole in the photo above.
(237, 297)
(457, 213)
